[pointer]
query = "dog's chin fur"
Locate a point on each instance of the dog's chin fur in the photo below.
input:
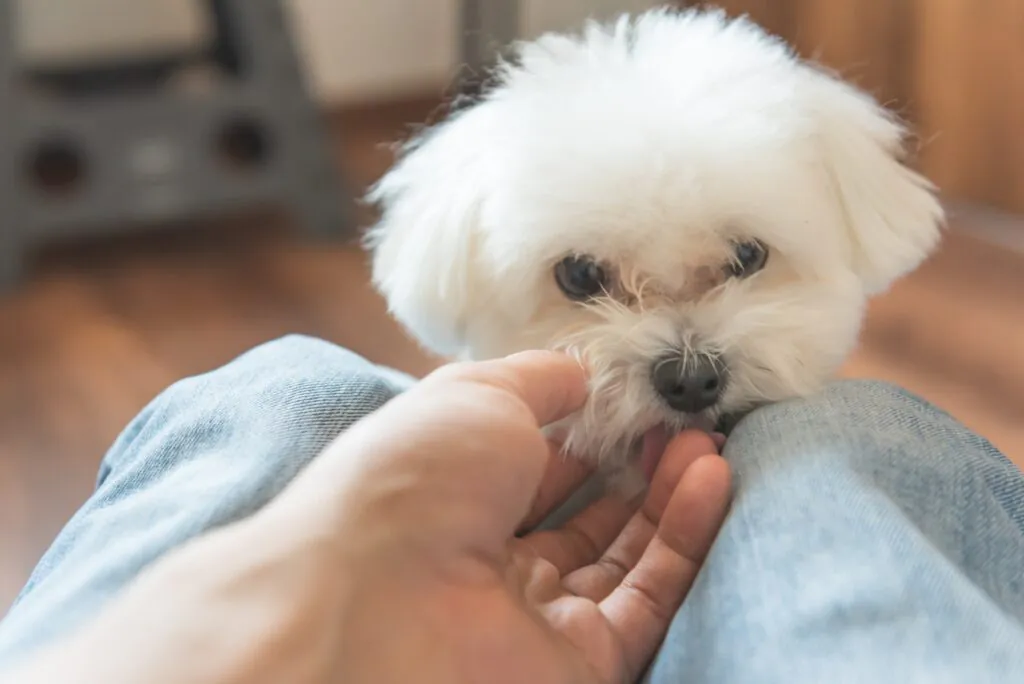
(654, 144)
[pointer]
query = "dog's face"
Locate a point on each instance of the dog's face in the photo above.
(674, 197)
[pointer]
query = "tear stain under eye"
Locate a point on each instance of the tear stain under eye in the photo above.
(706, 278)
(700, 282)
(631, 288)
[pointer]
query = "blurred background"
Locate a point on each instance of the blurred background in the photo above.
(178, 183)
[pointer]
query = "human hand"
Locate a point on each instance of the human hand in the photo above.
(394, 556)
(589, 602)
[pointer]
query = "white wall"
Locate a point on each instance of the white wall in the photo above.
(55, 32)
(356, 49)
(361, 49)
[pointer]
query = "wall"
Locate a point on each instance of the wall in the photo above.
(356, 49)
(50, 32)
(360, 49)
(952, 67)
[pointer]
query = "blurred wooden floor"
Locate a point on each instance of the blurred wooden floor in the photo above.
(103, 328)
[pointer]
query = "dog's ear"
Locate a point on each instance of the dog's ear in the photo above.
(893, 216)
(425, 244)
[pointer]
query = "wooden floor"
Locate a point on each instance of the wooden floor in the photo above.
(101, 328)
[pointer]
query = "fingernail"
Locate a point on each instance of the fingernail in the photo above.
(719, 439)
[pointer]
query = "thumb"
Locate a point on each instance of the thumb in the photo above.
(551, 385)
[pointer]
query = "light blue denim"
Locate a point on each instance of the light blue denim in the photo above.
(872, 538)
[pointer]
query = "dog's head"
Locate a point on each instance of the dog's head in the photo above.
(677, 198)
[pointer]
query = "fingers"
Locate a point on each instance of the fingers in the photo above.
(595, 580)
(471, 433)
(642, 606)
(681, 453)
(583, 538)
(524, 478)
(562, 478)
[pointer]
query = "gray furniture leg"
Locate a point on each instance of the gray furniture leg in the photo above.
(487, 27)
(314, 191)
(12, 257)
(320, 214)
(132, 158)
(12, 253)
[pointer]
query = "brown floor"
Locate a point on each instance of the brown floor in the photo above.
(101, 329)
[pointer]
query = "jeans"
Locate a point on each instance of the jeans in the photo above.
(872, 537)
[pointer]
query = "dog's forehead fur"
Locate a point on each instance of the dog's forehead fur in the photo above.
(601, 145)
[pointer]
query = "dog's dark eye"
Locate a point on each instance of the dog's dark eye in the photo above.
(580, 277)
(748, 258)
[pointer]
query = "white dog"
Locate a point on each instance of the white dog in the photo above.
(676, 197)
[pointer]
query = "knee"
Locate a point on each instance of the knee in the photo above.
(289, 397)
(871, 426)
(294, 381)
(860, 405)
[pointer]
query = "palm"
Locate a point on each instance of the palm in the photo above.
(575, 604)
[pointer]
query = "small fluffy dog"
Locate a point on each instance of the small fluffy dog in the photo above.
(674, 196)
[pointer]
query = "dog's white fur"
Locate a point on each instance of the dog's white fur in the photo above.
(652, 143)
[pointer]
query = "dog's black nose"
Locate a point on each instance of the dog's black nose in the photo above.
(689, 385)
